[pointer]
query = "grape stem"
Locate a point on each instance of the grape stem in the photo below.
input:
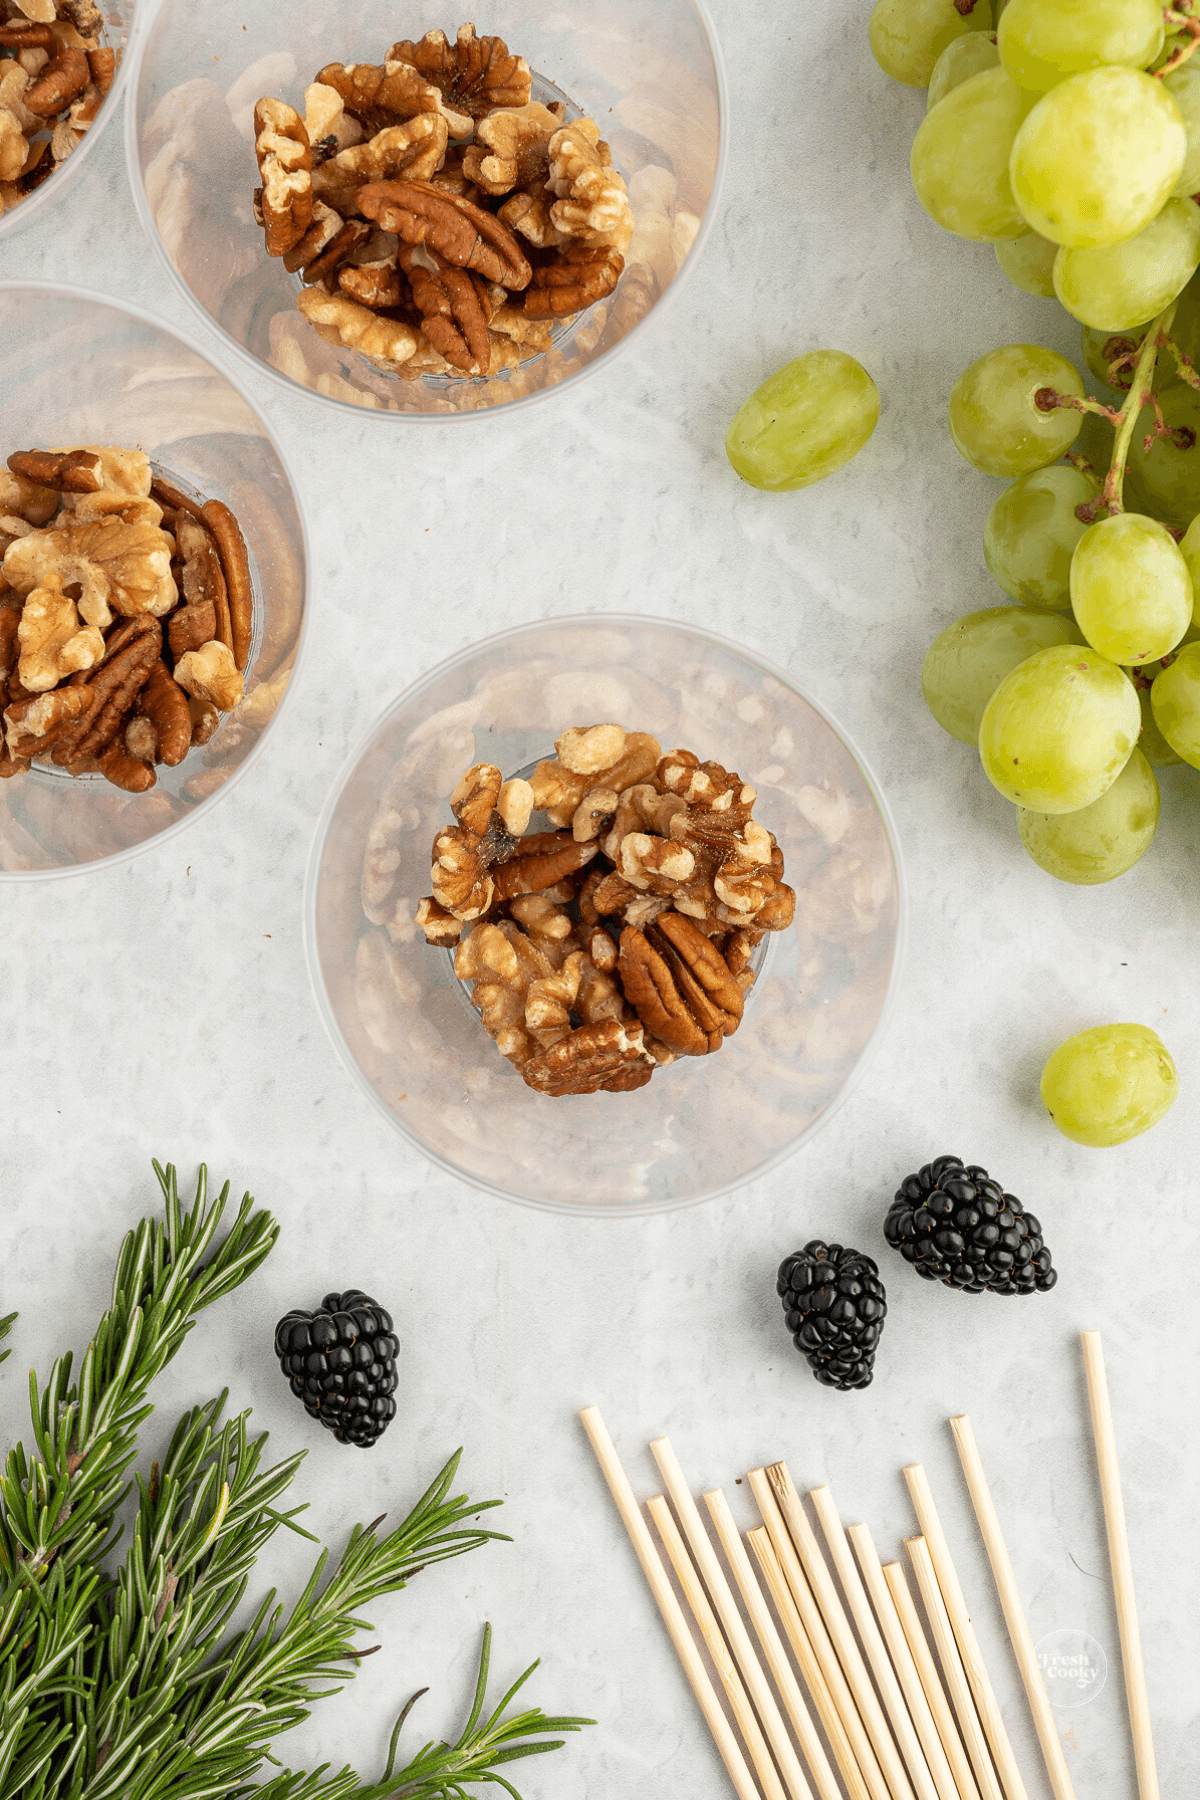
(1046, 400)
(967, 7)
(1141, 393)
(1179, 17)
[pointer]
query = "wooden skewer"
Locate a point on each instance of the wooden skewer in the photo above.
(865, 1761)
(772, 1644)
(1014, 1613)
(935, 1693)
(793, 1625)
(710, 1631)
(957, 1684)
(664, 1598)
(947, 1576)
(826, 1595)
(731, 1620)
(920, 1713)
(1122, 1567)
(877, 1655)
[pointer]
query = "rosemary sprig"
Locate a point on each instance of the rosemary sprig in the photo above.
(142, 1685)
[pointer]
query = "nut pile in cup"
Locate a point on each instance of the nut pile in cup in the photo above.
(439, 217)
(609, 946)
(125, 615)
(54, 75)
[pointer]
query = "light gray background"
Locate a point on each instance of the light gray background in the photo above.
(164, 1008)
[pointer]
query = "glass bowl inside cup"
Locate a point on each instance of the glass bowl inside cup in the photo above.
(648, 71)
(120, 19)
(402, 1021)
(79, 368)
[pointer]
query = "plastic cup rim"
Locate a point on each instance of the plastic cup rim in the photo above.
(386, 417)
(93, 296)
(358, 1075)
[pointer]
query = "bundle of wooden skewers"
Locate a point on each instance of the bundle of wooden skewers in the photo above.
(907, 1710)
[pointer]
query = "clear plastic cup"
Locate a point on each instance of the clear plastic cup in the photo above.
(403, 1023)
(79, 368)
(121, 18)
(648, 71)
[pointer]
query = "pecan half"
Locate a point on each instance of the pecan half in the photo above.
(512, 148)
(454, 308)
(191, 626)
(235, 566)
(68, 472)
(475, 75)
(119, 765)
(412, 151)
(103, 65)
(541, 861)
(24, 34)
(344, 242)
(285, 164)
(113, 687)
(63, 77)
(459, 231)
(679, 985)
(576, 279)
(374, 285)
(379, 96)
(165, 705)
(609, 1056)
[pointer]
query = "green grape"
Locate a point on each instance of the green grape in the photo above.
(1130, 589)
(805, 421)
(1029, 263)
(1097, 157)
(1032, 531)
(1059, 729)
(908, 36)
(1189, 549)
(1183, 85)
(966, 663)
(994, 417)
(1100, 841)
(1044, 41)
(1109, 1084)
(964, 57)
(1175, 698)
(1101, 347)
(1164, 481)
(1152, 744)
(960, 158)
(1120, 286)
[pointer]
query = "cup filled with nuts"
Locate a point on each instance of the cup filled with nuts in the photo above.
(152, 581)
(605, 915)
(61, 65)
(418, 215)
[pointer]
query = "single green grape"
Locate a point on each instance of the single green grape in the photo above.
(1175, 698)
(1189, 549)
(1100, 841)
(908, 36)
(1097, 157)
(1183, 85)
(1058, 731)
(1120, 286)
(805, 421)
(994, 417)
(1164, 481)
(1029, 263)
(1130, 589)
(1151, 742)
(962, 58)
(1101, 348)
(1032, 531)
(960, 158)
(1044, 41)
(966, 663)
(1109, 1084)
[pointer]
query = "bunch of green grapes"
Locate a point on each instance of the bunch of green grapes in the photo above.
(1066, 134)
(1092, 679)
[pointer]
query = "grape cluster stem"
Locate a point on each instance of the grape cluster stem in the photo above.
(1181, 17)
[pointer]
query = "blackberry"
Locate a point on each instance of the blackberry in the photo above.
(956, 1225)
(341, 1361)
(835, 1307)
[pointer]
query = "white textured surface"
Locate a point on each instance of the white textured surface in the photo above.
(163, 1008)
